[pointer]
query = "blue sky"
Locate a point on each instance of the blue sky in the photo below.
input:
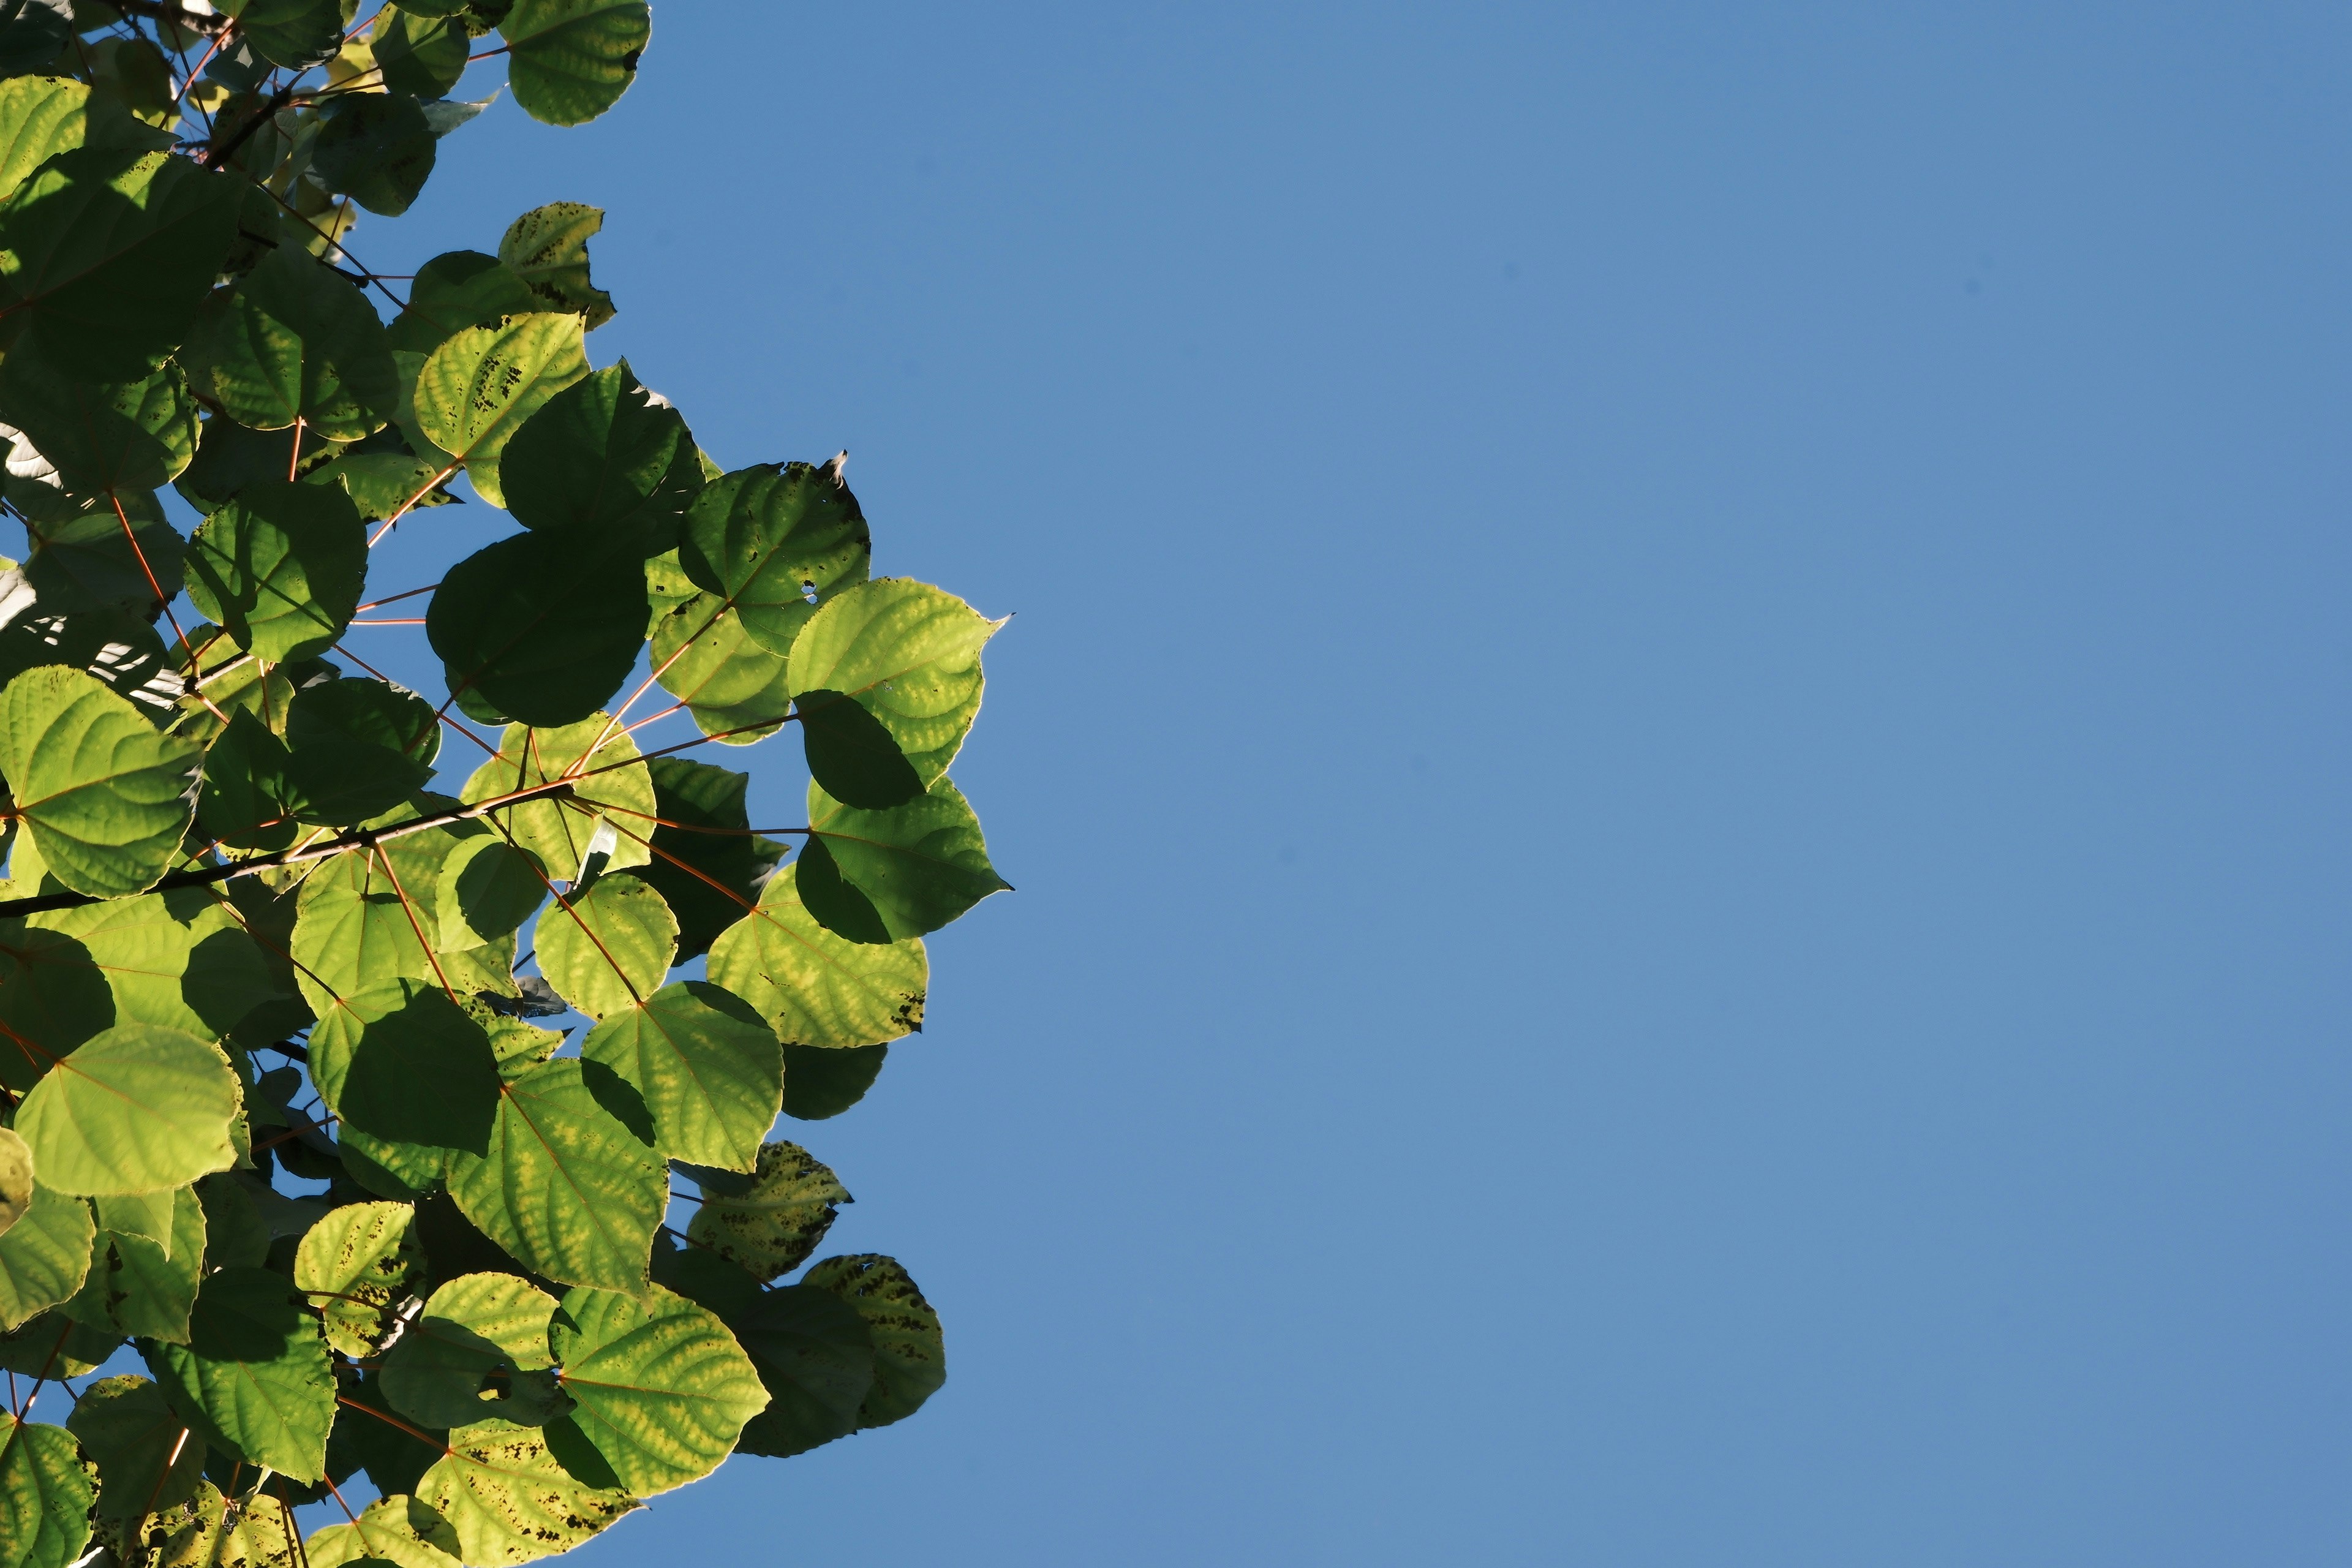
(1674, 749)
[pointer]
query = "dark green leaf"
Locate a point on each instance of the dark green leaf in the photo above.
(698, 796)
(254, 1378)
(774, 542)
(295, 341)
(421, 55)
(411, 1073)
(910, 1356)
(476, 390)
(103, 438)
(112, 250)
(376, 148)
(230, 457)
(772, 1227)
(458, 289)
(291, 33)
(357, 749)
(571, 60)
(822, 1081)
(145, 1462)
(280, 569)
(83, 558)
(119, 648)
(817, 1360)
(541, 628)
(31, 34)
(489, 887)
(604, 457)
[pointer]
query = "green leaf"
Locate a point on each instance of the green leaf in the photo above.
(814, 988)
(41, 116)
(607, 949)
(254, 1378)
(291, 33)
(396, 1458)
(146, 1458)
(885, 677)
(613, 785)
(295, 341)
(540, 627)
(909, 1355)
(16, 1178)
(46, 1490)
(135, 1109)
(396, 1529)
(354, 932)
(32, 34)
(455, 1363)
(420, 56)
(817, 1360)
(660, 1388)
(280, 568)
(120, 649)
(774, 542)
(707, 879)
(107, 798)
(571, 60)
(376, 148)
(511, 1500)
(44, 1257)
(571, 1184)
(822, 1081)
(604, 457)
(230, 457)
(478, 388)
(455, 290)
(109, 254)
(710, 1071)
(141, 1286)
(82, 558)
(106, 439)
(547, 248)
(51, 1344)
(771, 1228)
(885, 875)
(147, 1214)
(409, 1074)
(356, 750)
(489, 887)
(356, 1265)
(732, 685)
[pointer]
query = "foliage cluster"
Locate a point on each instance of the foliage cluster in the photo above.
(274, 1111)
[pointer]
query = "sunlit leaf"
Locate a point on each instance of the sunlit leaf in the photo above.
(775, 542)
(815, 987)
(397, 1529)
(608, 949)
(571, 1184)
(16, 1178)
(107, 797)
(355, 1266)
(611, 784)
(41, 116)
(135, 1109)
(887, 876)
(547, 248)
(455, 290)
(46, 1490)
(511, 1500)
(141, 1285)
(886, 679)
(487, 888)
(771, 1228)
(709, 1067)
(733, 685)
(44, 1257)
(660, 1388)
(253, 1377)
(478, 388)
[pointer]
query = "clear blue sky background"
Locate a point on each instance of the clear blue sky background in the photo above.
(1675, 751)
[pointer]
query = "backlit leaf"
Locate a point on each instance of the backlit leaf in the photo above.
(608, 949)
(886, 679)
(571, 60)
(733, 685)
(709, 1069)
(44, 1257)
(355, 1266)
(613, 784)
(135, 1109)
(16, 1178)
(455, 290)
(772, 1227)
(887, 876)
(489, 887)
(547, 248)
(775, 542)
(571, 1184)
(253, 1377)
(410, 1075)
(46, 1490)
(476, 389)
(141, 1286)
(107, 798)
(660, 1388)
(280, 568)
(511, 1500)
(397, 1529)
(815, 987)
(41, 116)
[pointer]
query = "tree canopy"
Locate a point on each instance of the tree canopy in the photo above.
(394, 1077)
